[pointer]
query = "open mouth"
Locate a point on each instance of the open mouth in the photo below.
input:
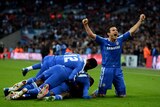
(115, 35)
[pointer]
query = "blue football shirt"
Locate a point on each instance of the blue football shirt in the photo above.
(111, 51)
(73, 61)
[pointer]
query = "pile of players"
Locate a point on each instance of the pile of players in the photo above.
(61, 76)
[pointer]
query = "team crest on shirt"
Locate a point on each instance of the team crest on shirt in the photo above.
(117, 43)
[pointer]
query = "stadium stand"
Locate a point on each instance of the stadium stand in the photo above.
(57, 23)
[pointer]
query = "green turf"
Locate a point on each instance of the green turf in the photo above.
(143, 88)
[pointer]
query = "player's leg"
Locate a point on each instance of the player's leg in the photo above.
(47, 62)
(27, 96)
(48, 76)
(58, 77)
(105, 82)
(15, 87)
(9, 96)
(31, 80)
(32, 89)
(34, 92)
(55, 75)
(15, 94)
(43, 92)
(25, 89)
(24, 93)
(33, 67)
(18, 86)
(56, 91)
(44, 67)
(47, 73)
(63, 87)
(119, 83)
(37, 66)
(29, 89)
(52, 81)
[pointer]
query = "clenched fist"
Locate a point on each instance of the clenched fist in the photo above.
(142, 17)
(85, 21)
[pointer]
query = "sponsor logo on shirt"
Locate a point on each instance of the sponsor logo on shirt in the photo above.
(113, 48)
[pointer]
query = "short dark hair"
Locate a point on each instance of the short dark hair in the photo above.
(109, 26)
(93, 62)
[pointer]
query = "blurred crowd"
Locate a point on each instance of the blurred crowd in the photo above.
(64, 30)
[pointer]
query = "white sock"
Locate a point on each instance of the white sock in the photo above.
(30, 68)
(11, 89)
(20, 92)
(58, 97)
(34, 85)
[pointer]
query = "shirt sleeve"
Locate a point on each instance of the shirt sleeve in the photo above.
(99, 39)
(75, 71)
(86, 87)
(125, 36)
(84, 79)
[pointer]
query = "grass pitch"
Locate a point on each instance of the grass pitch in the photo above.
(143, 88)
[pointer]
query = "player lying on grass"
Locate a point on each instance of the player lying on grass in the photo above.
(73, 61)
(56, 74)
(78, 88)
(77, 91)
(52, 77)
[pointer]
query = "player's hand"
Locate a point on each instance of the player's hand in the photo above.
(142, 17)
(85, 21)
(87, 97)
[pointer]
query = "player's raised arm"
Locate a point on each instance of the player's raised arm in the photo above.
(87, 28)
(137, 25)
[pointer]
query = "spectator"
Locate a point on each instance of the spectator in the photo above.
(146, 51)
(44, 49)
(19, 49)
